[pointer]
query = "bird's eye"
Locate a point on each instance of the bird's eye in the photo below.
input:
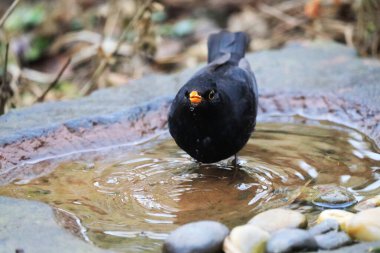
(211, 94)
(186, 94)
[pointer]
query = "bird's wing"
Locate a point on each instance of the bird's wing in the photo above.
(244, 64)
(219, 61)
(212, 66)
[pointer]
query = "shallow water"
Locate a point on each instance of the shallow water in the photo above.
(129, 198)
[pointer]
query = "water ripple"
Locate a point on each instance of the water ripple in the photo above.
(132, 198)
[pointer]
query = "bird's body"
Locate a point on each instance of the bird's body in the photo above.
(214, 113)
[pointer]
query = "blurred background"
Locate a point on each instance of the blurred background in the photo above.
(63, 49)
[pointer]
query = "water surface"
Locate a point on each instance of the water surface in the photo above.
(129, 198)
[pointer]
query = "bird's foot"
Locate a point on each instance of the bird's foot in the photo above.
(236, 168)
(234, 163)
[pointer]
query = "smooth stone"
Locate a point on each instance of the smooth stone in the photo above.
(276, 219)
(291, 240)
(365, 226)
(246, 239)
(332, 240)
(324, 227)
(368, 203)
(341, 216)
(32, 227)
(331, 196)
(200, 237)
(363, 247)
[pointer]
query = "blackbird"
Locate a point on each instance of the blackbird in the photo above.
(214, 113)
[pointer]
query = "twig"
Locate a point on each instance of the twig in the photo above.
(6, 64)
(80, 36)
(42, 97)
(289, 5)
(5, 90)
(291, 21)
(33, 75)
(131, 24)
(8, 12)
(111, 22)
(96, 74)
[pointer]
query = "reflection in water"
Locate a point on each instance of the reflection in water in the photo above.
(129, 198)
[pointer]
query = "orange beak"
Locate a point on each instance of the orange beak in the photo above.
(195, 98)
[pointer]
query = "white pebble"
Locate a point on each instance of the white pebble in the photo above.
(276, 219)
(365, 226)
(246, 239)
(341, 216)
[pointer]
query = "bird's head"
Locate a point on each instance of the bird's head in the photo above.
(201, 94)
(201, 97)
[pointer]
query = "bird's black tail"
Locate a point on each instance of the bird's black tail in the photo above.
(226, 42)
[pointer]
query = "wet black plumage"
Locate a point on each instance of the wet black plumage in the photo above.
(214, 113)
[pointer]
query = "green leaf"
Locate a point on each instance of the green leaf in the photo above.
(37, 48)
(24, 17)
